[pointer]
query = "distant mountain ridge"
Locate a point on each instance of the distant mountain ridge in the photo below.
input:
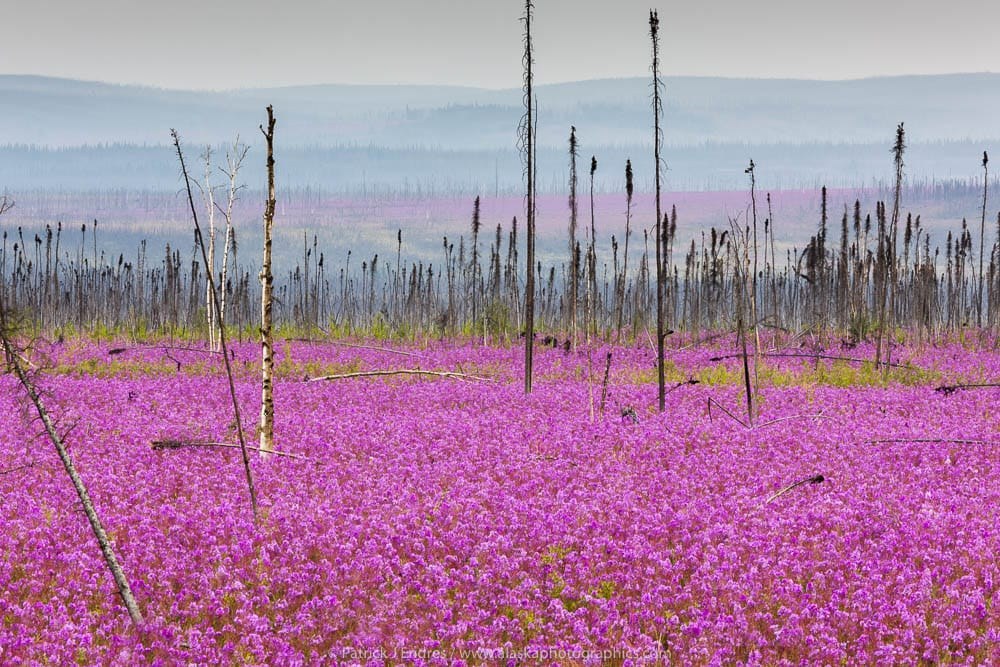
(79, 135)
(65, 112)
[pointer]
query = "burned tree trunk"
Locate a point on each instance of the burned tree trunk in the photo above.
(654, 33)
(528, 148)
(574, 257)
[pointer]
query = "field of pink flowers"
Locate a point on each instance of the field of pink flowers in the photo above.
(450, 521)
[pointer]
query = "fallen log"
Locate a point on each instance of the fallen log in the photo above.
(160, 445)
(404, 371)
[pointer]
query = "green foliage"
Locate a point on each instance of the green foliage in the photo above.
(127, 368)
(841, 373)
(380, 329)
(140, 329)
(606, 589)
(671, 371)
(498, 319)
(285, 365)
(861, 327)
(719, 375)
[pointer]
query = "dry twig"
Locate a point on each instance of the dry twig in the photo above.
(402, 371)
(948, 389)
(180, 444)
(815, 479)
(956, 441)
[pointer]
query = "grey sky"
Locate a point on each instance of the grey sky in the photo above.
(229, 43)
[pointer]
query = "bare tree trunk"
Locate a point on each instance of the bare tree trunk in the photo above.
(898, 149)
(528, 147)
(475, 266)
(774, 264)
(654, 29)
(753, 281)
(209, 194)
(574, 257)
(629, 189)
(237, 416)
(982, 241)
(234, 160)
(592, 258)
(266, 282)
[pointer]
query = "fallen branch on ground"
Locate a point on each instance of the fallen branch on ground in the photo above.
(815, 479)
(955, 441)
(806, 355)
(947, 389)
(712, 401)
(121, 350)
(554, 458)
(404, 371)
(179, 444)
(8, 471)
(691, 381)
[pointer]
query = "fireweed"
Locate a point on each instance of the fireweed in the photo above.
(436, 517)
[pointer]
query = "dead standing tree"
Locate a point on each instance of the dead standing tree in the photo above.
(592, 259)
(982, 241)
(237, 417)
(234, 161)
(654, 33)
(754, 317)
(527, 144)
(208, 194)
(574, 254)
(887, 297)
(474, 267)
(620, 294)
(266, 285)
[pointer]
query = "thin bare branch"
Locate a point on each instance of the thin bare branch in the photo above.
(947, 389)
(806, 355)
(754, 427)
(818, 415)
(403, 371)
(712, 401)
(121, 350)
(180, 444)
(689, 381)
(815, 479)
(10, 471)
(956, 441)
(222, 333)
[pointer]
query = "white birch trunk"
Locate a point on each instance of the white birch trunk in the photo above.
(267, 279)
(209, 195)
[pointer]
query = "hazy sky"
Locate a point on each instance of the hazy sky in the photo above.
(241, 43)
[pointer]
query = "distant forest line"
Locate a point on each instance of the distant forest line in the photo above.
(381, 171)
(368, 225)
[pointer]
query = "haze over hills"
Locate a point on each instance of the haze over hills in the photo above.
(351, 138)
